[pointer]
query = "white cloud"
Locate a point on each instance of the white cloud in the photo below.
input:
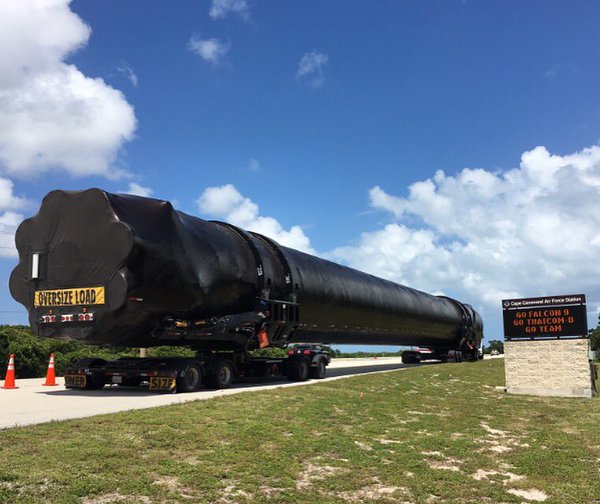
(254, 165)
(212, 50)
(226, 203)
(128, 72)
(311, 68)
(139, 190)
(52, 115)
(9, 221)
(220, 9)
(9, 218)
(487, 235)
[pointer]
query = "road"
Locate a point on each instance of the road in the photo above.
(33, 403)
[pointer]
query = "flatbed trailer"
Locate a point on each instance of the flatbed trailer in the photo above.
(188, 374)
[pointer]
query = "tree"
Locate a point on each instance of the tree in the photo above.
(595, 338)
(495, 345)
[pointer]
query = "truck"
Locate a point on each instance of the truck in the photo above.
(123, 270)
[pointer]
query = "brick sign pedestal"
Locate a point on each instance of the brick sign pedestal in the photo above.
(548, 367)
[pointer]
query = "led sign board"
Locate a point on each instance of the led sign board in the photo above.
(550, 317)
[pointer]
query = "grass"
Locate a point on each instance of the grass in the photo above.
(438, 433)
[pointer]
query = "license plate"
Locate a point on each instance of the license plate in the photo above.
(162, 383)
(75, 381)
(117, 379)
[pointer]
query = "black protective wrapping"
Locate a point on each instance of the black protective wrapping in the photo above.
(156, 262)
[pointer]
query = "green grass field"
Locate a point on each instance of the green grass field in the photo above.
(438, 433)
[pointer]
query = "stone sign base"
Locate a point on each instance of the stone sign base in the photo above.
(548, 368)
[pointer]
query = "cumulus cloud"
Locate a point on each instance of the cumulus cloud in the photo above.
(51, 114)
(139, 190)
(487, 235)
(226, 203)
(212, 50)
(220, 8)
(311, 68)
(10, 218)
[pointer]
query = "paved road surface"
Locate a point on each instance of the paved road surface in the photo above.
(32, 403)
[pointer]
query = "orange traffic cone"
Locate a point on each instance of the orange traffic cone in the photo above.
(9, 380)
(50, 375)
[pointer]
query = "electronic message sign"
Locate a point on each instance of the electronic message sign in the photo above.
(548, 317)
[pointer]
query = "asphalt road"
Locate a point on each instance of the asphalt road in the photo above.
(33, 403)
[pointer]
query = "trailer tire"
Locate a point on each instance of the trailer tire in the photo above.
(298, 370)
(191, 379)
(408, 358)
(319, 371)
(221, 374)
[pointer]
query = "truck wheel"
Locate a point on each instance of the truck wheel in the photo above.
(298, 370)
(221, 375)
(191, 379)
(319, 371)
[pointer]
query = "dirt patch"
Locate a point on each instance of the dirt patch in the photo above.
(363, 446)
(38, 487)
(499, 441)
(116, 497)
(271, 492)
(495, 432)
(530, 495)
(385, 441)
(315, 472)
(410, 420)
(506, 476)
(231, 494)
(437, 464)
(173, 484)
(437, 460)
(374, 492)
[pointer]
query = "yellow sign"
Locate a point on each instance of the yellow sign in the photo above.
(162, 383)
(75, 381)
(69, 297)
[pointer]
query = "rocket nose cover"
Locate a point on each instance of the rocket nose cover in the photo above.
(79, 242)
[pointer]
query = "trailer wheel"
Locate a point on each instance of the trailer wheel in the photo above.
(408, 358)
(191, 379)
(298, 370)
(319, 371)
(221, 374)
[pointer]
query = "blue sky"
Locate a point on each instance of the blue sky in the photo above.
(324, 124)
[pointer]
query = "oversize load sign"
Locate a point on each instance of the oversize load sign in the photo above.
(69, 297)
(545, 317)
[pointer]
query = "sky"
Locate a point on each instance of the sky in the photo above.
(451, 146)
